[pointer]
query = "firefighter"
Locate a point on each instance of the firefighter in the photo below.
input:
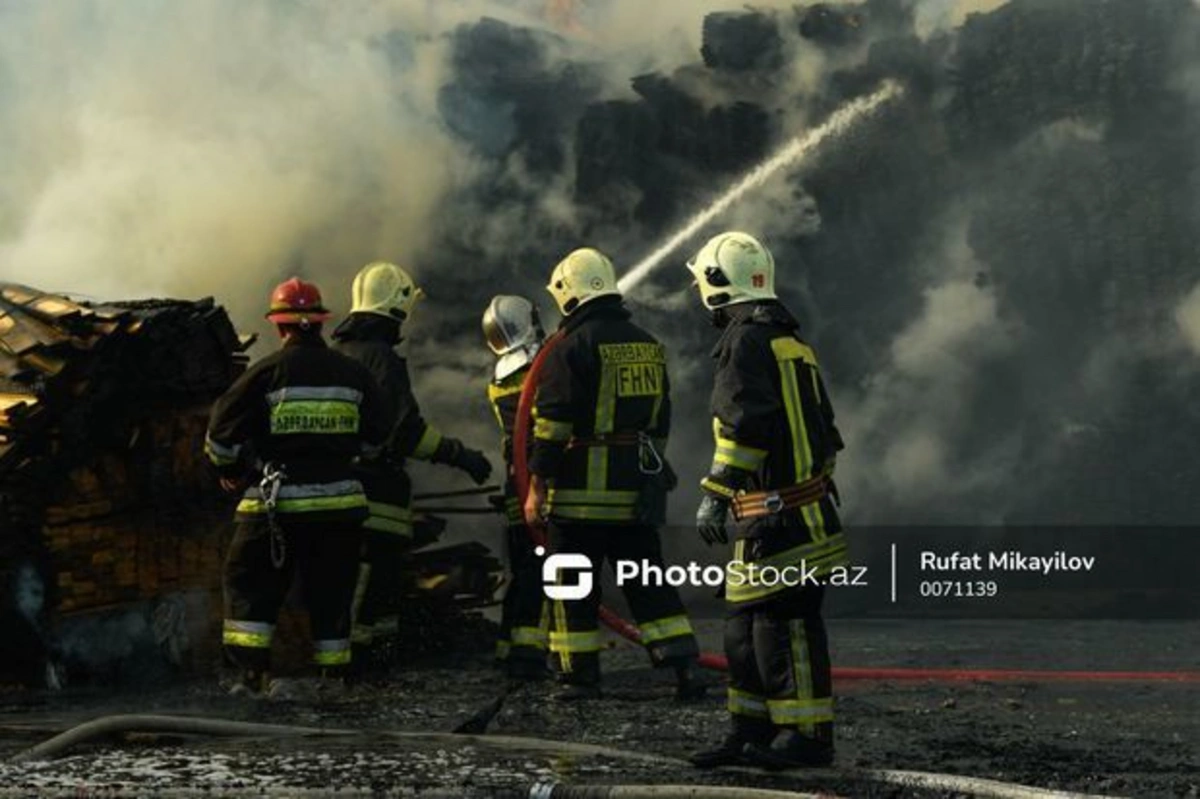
(383, 296)
(514, 334)
(772, 469)
(598, 477)
(302, 414)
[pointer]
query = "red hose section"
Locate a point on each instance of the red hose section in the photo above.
(520, 442)
(717, 661)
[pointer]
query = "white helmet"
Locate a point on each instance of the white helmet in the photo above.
(513, 332)
(733, 267)
(385, 290)
(581, 277)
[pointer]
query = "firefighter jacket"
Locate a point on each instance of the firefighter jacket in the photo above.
(504, 396)
(603, 410)
(371, 340)
(774, 424)
(310, 411)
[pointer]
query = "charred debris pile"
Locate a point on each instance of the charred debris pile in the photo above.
(105, 498)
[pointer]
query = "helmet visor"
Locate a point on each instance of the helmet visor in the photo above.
(494, 333)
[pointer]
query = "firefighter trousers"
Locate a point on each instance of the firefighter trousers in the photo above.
(324, 554)
(525, 613)
(376, 593)
(575, 636)
(779, 669)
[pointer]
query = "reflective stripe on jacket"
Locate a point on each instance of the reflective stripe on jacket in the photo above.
(308, 409)
(605, 376)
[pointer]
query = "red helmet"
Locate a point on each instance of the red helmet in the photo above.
(296, 302)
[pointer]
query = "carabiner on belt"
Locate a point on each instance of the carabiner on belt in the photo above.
(272, 480)
(649, 461)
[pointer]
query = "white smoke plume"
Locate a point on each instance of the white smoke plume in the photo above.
(211, 148)
(936, 15)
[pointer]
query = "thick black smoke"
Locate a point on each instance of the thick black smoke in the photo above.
(1002, 285)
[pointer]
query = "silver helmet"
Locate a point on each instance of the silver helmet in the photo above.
(513, 332)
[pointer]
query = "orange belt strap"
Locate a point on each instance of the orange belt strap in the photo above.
(768, 503)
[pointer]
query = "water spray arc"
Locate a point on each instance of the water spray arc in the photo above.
(792, 152)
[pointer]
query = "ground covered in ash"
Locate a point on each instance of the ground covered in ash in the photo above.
(1107, 738)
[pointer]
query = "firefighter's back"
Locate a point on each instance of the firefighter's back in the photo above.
(313, 396)
(620, 418)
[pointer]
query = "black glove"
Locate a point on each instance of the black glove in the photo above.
(720, 487)
(476, 465)
(711, 517)
(451, 452)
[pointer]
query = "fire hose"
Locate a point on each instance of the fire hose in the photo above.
(718, 662)
(199, 725)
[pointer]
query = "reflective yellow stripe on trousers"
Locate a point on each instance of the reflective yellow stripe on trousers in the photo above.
(576, 642)
(331, 652)
(248, 634)
(667, 627)
(536, 637)
(743, 703)
(388, 518)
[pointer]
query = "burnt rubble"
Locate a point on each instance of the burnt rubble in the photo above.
(104, 495)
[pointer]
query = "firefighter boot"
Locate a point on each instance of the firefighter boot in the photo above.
(526, 669)
(689, 685)
(292, 689)
(791, 749)
(332, 684)
(745, 732)
(581, 681)
(574, 691)
(251, 683)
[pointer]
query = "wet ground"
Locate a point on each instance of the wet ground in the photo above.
(1138, 739)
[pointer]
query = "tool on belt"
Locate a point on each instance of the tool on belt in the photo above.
(650, 462)
(273, 476)
(756, 504)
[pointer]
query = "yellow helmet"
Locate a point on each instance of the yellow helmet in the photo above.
(582, 276)
(733, 267)
(384, 289)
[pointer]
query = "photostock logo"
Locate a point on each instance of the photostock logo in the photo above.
(554, 583)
